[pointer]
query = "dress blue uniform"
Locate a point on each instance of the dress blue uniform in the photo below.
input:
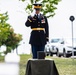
(40, 32)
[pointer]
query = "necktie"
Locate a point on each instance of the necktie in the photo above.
(37, 16)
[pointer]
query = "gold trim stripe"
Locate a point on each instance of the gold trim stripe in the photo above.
(37, 28)
(37, 6)
(29, 20)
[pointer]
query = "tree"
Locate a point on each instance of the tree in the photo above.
(48, 6)
(7, 35)
(13, 40)
(4, 28)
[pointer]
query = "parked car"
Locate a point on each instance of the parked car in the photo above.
(70, 47)
(47, 49)
(60, 47)
(55, 46)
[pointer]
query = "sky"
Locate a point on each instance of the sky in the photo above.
(59, 25)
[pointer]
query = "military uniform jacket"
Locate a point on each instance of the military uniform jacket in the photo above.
(38, 37)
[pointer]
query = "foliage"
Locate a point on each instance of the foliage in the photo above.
(8, 50)
(4, 28)
(13, 39)
(7, 35)
(48, 6)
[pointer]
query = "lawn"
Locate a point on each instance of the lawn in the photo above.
(65, 66)
(1, 59)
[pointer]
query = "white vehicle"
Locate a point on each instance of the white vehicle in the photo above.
(60, 47)
(47, 49)
(69, 48)
(57, 46)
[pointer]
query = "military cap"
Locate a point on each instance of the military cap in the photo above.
(37, 6)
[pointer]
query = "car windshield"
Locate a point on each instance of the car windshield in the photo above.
(54, 40)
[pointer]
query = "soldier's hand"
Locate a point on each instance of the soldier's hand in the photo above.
(30, 17)
(47, 39)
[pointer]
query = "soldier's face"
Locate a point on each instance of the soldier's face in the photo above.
(38, 11)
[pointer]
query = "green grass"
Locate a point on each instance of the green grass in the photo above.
(1, 59)
(65, 66)
(23, 62)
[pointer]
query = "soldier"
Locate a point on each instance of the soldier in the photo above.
(40, 31)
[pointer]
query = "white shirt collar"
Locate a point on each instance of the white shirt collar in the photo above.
(38, 14)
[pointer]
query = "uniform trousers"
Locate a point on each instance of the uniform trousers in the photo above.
(35, 49)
